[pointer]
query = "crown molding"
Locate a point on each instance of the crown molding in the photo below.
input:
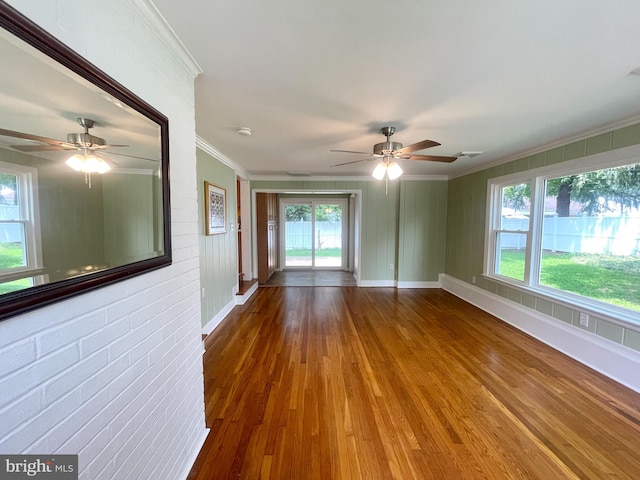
(354, 178)
(310, 178)
(611, 127)
(214, 152)
(159, 24)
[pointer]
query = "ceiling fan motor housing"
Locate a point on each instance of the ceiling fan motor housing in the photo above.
(85, 139)
(385, 148)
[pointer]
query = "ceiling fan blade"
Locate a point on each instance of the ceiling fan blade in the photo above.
(35, 138)
(103, 147)
(431, 158)
(351, 151)
(38, 148)
(108, 160)
(414, 147)
(129, 156)
(348, 163)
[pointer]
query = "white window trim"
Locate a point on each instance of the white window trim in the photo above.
(30, 213)
(537, 177)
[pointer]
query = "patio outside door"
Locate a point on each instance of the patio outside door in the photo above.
(314, 234)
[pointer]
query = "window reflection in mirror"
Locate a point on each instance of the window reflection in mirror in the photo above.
(64, 218)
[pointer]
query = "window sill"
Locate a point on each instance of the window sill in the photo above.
(19, 275)
(618, 315)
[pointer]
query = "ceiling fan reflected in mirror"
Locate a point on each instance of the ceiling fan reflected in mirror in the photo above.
(87, 158)
(390, 152)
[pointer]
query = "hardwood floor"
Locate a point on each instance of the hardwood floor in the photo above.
(379, 383)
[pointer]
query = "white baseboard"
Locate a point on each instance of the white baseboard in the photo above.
(616, 361)
(215, 321)
(419, 285)
(241, 299)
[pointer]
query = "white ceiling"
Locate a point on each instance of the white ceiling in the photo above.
(41, 97)
(499, 76)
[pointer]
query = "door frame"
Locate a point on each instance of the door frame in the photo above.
(355, 207)
(313, 201)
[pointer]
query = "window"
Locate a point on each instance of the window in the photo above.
(19, 233)
(512, 234)
(572, 235)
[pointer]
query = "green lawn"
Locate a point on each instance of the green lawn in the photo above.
(612, 279)
(10, 257)
(306, 252)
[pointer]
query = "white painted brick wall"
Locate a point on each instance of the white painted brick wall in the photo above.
(115, 375)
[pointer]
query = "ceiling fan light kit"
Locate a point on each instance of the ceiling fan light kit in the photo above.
(391, 169)
(86, 162)
(380, 171)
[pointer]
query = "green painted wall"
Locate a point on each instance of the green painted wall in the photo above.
(112, 223)
(130, 208)
(71, 216)
(422, 230)
(466, 217)
(385, 217)
(218, 253)
(466, 213)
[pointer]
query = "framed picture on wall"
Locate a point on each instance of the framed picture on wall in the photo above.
(215, 206)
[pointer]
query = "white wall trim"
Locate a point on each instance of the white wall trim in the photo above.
(194, 455)
(609, 358)
(611, 127)
(211, 325)
(242, 299)
(168, 36)
(420, 284)
(341, 178)
(218, 155)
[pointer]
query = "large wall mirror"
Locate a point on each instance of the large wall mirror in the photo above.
(84, 188)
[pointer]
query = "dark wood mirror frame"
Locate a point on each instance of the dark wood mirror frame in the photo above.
(31, 298)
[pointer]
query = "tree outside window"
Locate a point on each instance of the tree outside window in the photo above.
(584, 238)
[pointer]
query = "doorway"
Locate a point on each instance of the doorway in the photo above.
(314, 233)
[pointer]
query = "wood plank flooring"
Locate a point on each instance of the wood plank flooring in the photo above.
(378, 383)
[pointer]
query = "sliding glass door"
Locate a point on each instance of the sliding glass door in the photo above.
(314, 233)
(298, 235)
(328, 235)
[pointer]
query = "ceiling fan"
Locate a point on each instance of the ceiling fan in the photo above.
(75, 141)
(390, 152)
(87, 159)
